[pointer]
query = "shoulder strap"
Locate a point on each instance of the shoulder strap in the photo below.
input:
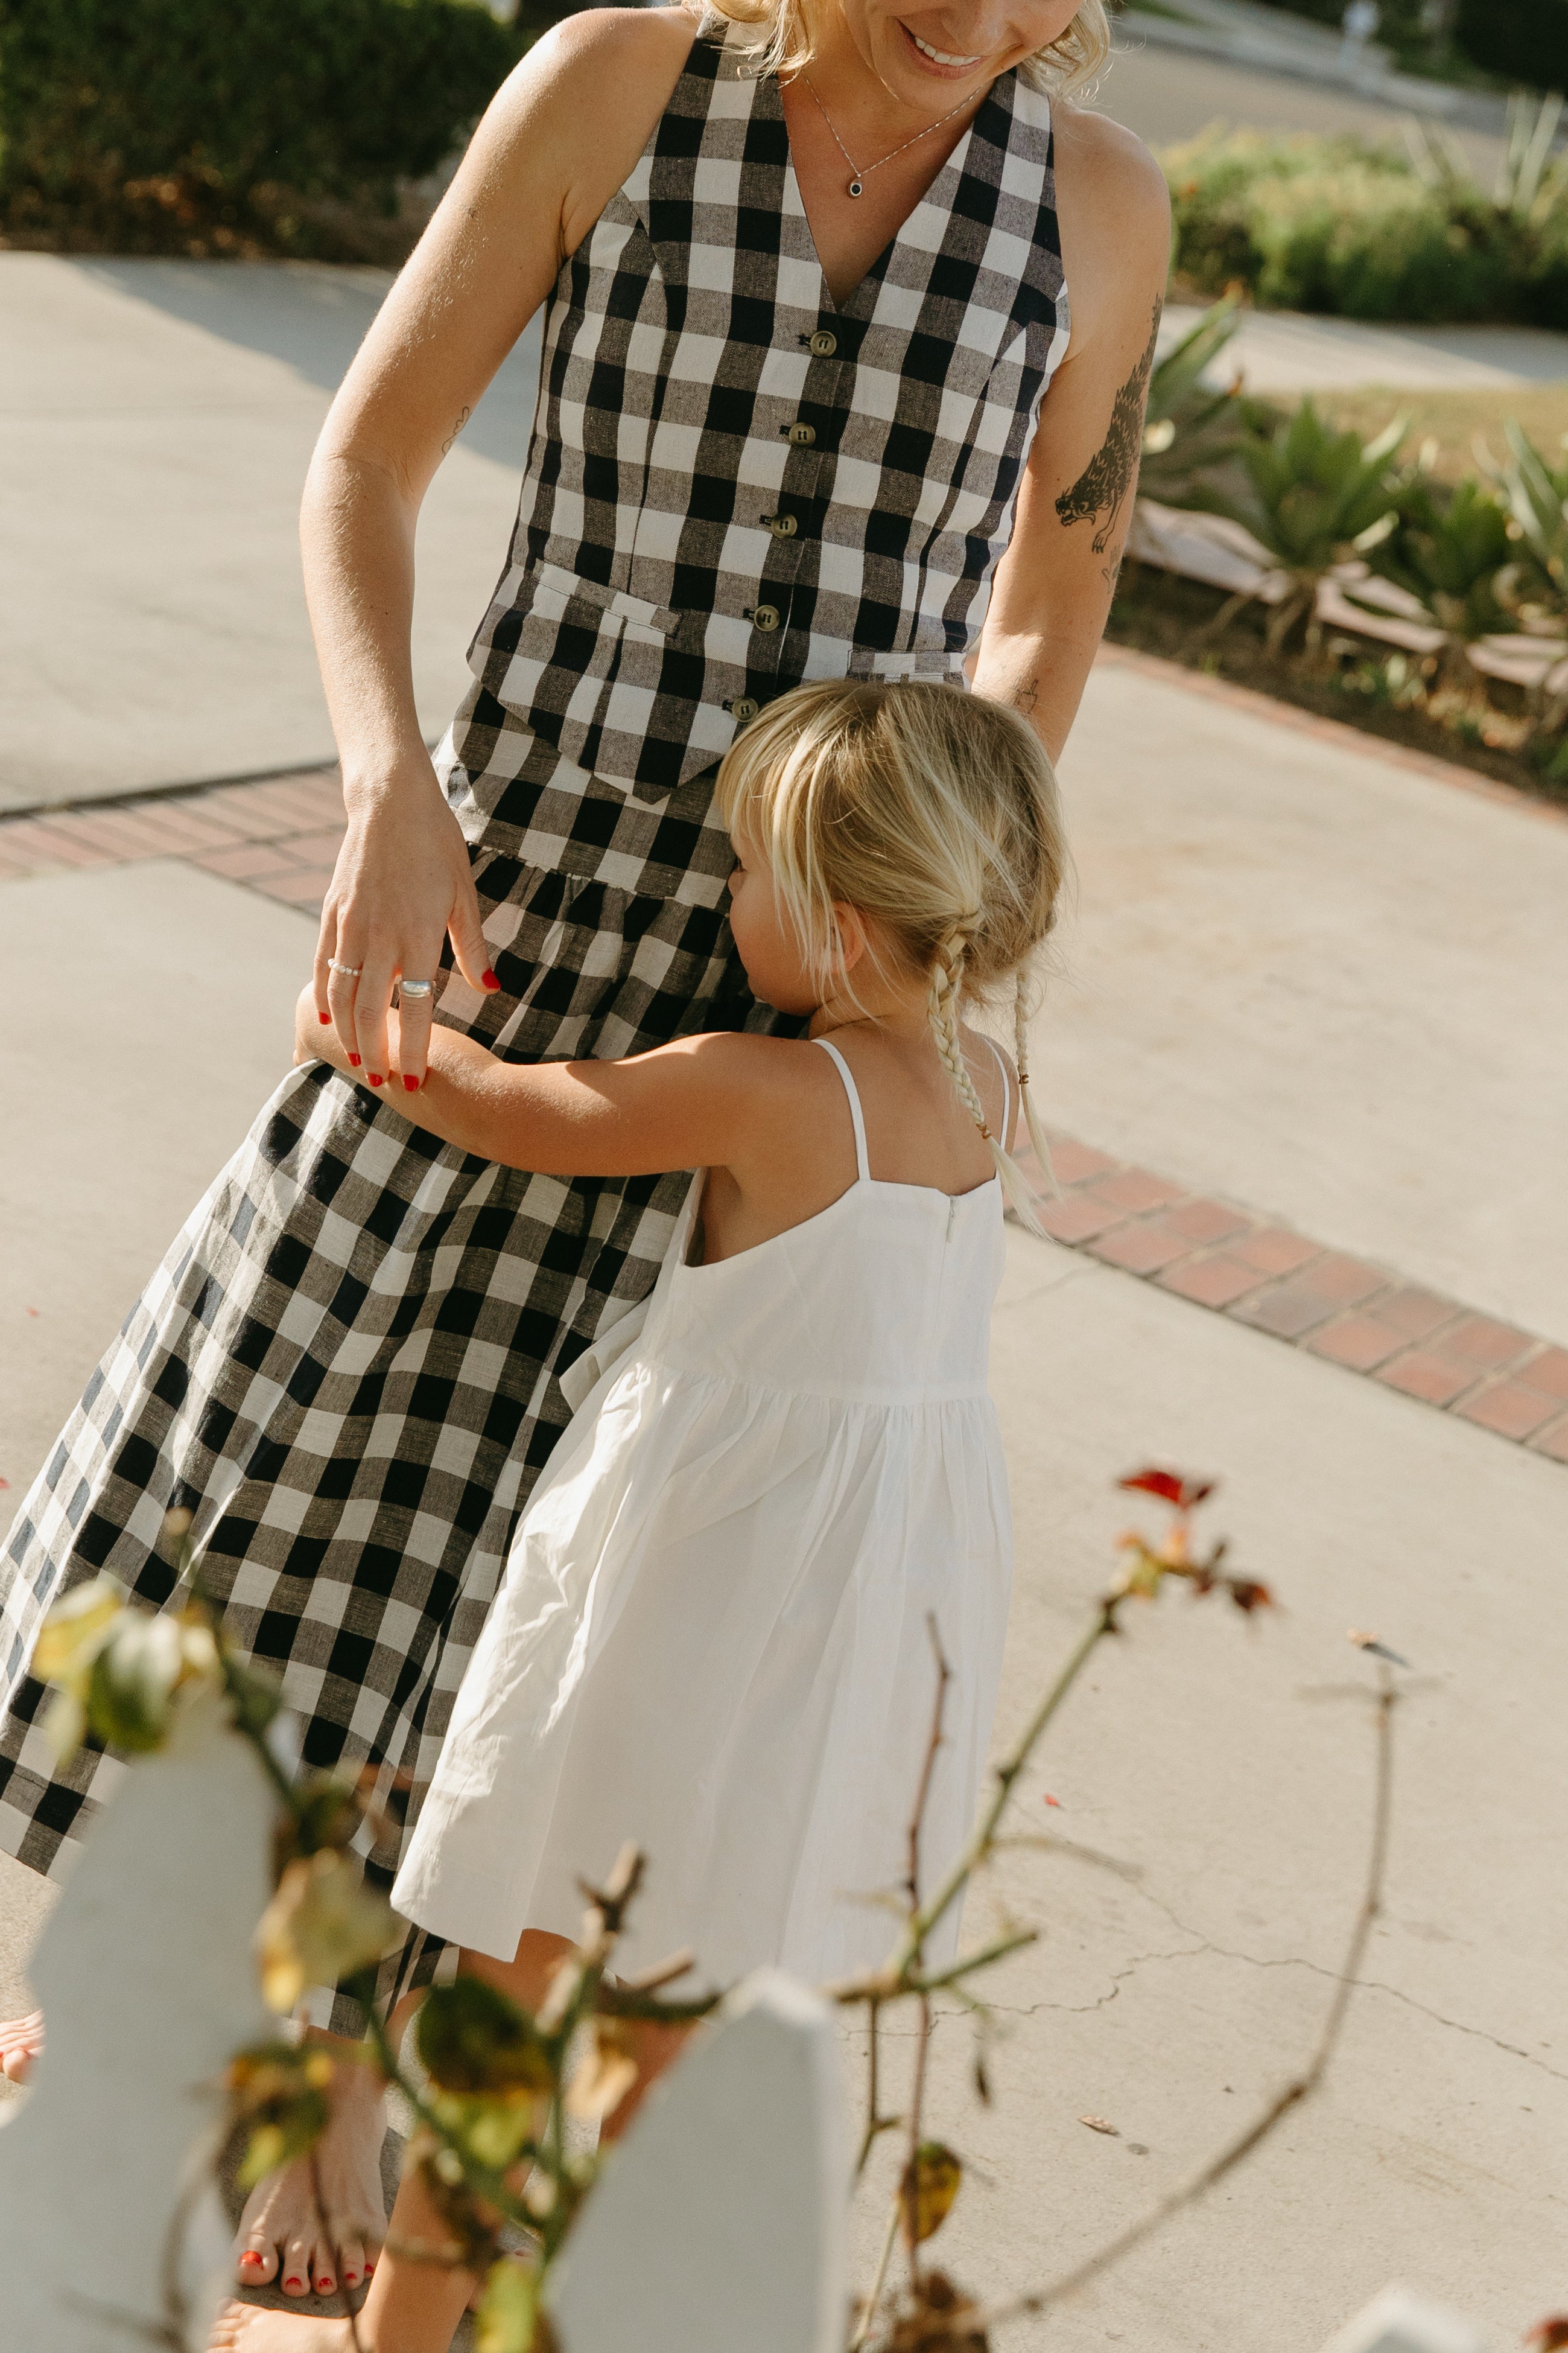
(862, 1164)
(1007, 1091)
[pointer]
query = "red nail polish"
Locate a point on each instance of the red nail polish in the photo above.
(323, 1018)
(489, 979)
(410, 1083)
(251, 2262)
(293, 2282)
(325, 2287)
(375, 1078)
(353, 1062)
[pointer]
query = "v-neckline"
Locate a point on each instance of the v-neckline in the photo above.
(875, 272)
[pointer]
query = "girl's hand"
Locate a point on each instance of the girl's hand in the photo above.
(401, 885)
(316, 1040)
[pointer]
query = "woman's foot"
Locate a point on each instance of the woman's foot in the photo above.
(21, 2040)
(285, 2239)
(254, 2328)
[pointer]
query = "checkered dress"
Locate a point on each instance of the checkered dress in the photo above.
(346, 1367)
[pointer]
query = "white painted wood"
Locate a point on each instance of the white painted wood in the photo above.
(147, 1976)
(719, 2223)
(1399, 2321)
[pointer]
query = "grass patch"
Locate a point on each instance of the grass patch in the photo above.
(1455, 421)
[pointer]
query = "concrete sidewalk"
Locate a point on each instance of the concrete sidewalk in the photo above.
(155, 426)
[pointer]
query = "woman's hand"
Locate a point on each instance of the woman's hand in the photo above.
(402, 884)
(316, 1040)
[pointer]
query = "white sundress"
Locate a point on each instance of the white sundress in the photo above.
(712, 1634)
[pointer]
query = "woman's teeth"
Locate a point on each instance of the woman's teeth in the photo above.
(939, 57)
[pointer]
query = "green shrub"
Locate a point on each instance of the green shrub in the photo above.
(1522, 40)
(326, 98)
(1332, 225)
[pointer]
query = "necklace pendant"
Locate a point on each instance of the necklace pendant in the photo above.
(856, 187)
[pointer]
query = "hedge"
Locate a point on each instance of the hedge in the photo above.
(1523, 40)
(326, 98)
(1331, 225)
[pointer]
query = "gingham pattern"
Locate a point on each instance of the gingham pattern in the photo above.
(678, 354)
(346, 1366)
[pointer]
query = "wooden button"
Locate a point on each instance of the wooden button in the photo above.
(764, 618)
(745, 709)
(823, 344)
(803, 436)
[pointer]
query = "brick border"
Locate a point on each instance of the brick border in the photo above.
(280, 836)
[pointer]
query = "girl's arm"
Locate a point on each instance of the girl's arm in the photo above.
(1055, 583)
(699, 1102)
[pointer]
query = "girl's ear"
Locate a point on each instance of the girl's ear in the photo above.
(851, 941)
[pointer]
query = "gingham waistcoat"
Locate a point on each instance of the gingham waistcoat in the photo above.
(735, 484)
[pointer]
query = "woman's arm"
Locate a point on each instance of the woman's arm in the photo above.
(699, 1102)
(1054, 584)
(561, 136)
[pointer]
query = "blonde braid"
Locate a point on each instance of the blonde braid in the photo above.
(1021, 1011)
(946, 992)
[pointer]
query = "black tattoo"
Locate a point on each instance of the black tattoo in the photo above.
(1102, 487)
(456, 429)
(1026, 696)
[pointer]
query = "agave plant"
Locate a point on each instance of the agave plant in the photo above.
(1316, 499)
(1537, 498)
(1191, 425)
(1530, 182)
(1451, 553)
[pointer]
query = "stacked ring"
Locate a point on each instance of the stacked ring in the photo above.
(348, 971)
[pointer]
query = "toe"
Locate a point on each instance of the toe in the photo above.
(297, 2268)
(255, 2264)
(227, 2328)
(353, 2263)
(323, 2274)
(15, 2062)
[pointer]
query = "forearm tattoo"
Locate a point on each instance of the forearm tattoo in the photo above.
(1101, 489)
(447, 443)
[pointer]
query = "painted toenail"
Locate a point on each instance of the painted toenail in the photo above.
(293, 2282)
(324, 2288)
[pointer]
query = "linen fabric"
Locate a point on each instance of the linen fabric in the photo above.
(347, 1366)
(713, 1635)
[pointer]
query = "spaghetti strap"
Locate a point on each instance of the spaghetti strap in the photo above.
(1007, 1091)
(862, 1164)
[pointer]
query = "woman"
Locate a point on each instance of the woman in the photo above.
(810, 408)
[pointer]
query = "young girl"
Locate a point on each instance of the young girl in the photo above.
(712, 1635)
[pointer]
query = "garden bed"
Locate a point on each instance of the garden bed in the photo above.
(1160, 613)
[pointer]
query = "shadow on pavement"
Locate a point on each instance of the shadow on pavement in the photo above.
(312, 317)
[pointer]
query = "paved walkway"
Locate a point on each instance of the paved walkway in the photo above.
(1288, 352)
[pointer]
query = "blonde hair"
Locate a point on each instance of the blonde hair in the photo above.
(785, 43)
(935, 813)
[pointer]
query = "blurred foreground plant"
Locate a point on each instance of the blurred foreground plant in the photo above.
(490, 2117)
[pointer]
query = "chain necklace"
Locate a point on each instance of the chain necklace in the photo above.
(858, 178)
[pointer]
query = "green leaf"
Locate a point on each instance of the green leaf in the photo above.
(470, 2038)
(932, 2182)
(504, 2322)
(132, 1680)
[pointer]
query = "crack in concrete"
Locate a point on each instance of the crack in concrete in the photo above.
(1202, 1943)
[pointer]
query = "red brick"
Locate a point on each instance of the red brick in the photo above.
(290, 803)
(1274, 1250)
(1482, 1341)
(1359, 1341)
(1343, 1280)
(1135, 1191)
(306, 889)
(1077, 1218)
(317, 848)
(1548, 1372)
(1140, 1249)
(1075, 1162)
(182, 826)
(1415, 1314)
(1204, 1222)
(1212, 1282)
(1509, 1408)
(121, 834)
(1552, 1441)
(1425, 1373)
(48, 842)
(1287, 1309)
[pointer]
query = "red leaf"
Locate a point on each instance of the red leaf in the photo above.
(1549, 2334)
(1170, 1486)
(1053, 1801)
(1249, 1595)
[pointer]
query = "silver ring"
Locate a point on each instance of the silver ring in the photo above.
(348, 971)
(420, 988)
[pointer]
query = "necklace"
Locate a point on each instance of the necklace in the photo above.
(858, 178)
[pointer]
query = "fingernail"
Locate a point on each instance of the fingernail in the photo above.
(375, 1078)
(353, 1062)
(323, 1018)
(489, 979)
(410, 1083)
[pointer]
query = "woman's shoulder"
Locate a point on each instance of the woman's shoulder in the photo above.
(1108, 165)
